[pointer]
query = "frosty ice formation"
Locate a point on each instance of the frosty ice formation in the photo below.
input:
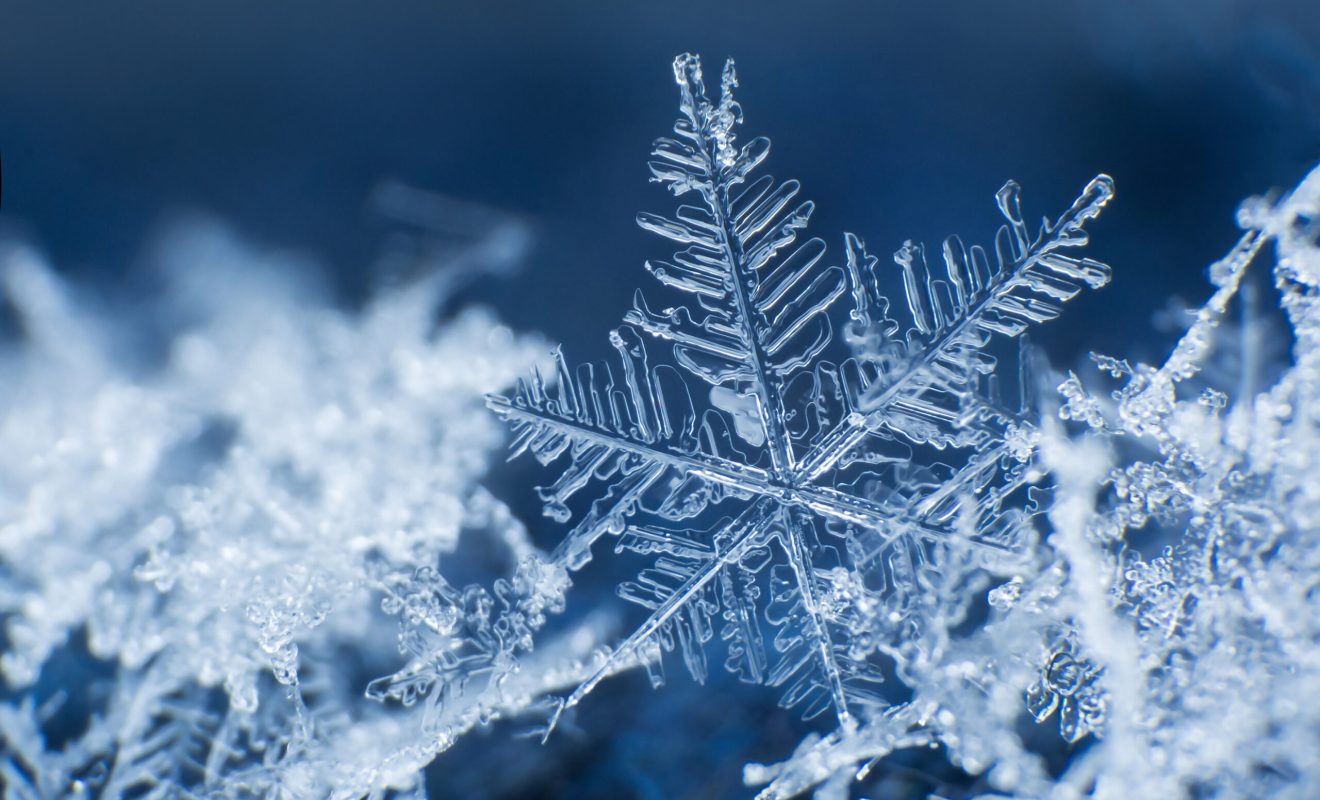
(776, 492)
(216, 526)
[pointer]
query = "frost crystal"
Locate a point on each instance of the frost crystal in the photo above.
(219, 516)
(789, 504)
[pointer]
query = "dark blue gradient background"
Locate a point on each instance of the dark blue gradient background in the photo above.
(901, 120)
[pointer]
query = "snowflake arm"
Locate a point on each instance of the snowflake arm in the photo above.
(759, 317)
(953, 319)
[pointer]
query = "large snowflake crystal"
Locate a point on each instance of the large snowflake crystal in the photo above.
(816, 516)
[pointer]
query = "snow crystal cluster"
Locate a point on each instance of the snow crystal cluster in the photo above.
(221, 502)
(900, 520)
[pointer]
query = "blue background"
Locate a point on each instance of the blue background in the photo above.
(901, 120)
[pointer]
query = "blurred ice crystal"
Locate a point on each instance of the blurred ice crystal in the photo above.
(216, 489)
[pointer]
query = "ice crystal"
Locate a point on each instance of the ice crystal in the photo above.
(219, 516)
(785, 500)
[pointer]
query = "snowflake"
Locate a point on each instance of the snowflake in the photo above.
(783, 498)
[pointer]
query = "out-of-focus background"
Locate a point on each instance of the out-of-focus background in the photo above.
(901, 120)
